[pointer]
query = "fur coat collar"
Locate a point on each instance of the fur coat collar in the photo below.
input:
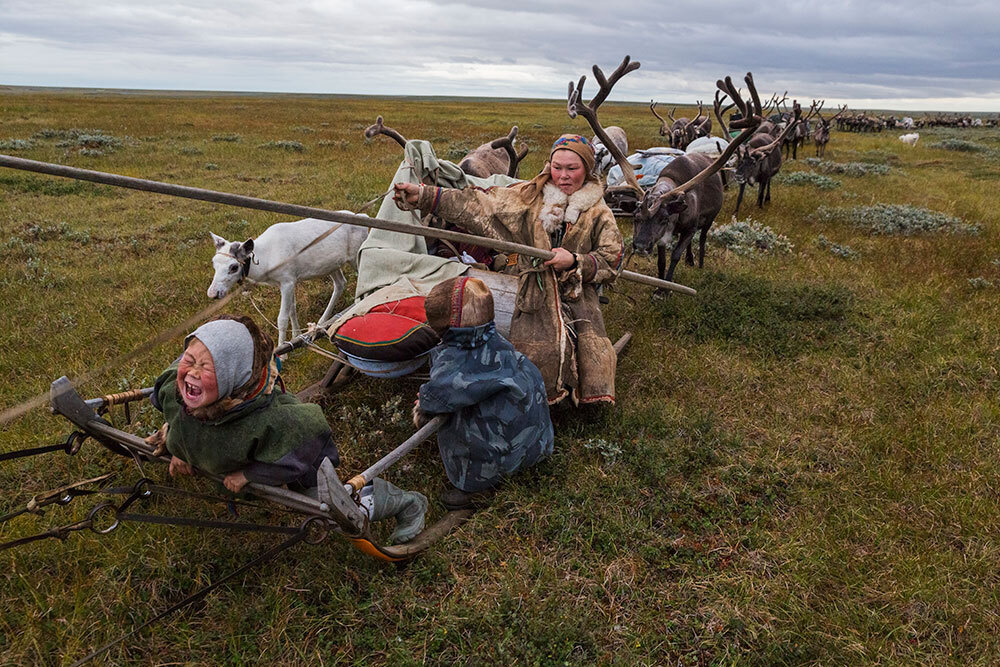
(558, 207)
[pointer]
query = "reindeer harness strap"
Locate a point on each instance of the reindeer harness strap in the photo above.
(244, 264)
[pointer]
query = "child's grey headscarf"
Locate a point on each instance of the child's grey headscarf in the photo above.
(231, 346)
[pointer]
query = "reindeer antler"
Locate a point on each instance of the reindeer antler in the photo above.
(720, 111)
(379, 128)
(751, 119)
(796, 119)
(775, 102)
(575, 105)
(664, 130)
(707, 120)
(507, 143)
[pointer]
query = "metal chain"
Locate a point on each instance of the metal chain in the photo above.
(71, 447)
(61, 496)
(141, 490)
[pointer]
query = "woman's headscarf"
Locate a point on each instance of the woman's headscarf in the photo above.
(576, 143)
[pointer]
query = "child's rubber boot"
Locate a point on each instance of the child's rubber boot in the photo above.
(409, 508)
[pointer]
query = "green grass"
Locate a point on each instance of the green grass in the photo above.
(800, 469)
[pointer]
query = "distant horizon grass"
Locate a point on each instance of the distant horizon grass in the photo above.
(801, 467)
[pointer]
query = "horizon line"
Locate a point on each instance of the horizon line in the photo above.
(252, 93)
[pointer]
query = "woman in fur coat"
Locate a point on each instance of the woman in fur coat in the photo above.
(557, 322)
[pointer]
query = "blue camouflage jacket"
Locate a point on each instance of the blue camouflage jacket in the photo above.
(500, 421)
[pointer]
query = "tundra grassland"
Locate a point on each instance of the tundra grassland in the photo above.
(801, 467)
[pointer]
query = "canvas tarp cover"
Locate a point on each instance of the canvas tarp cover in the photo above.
(392, 265)
(650, 162)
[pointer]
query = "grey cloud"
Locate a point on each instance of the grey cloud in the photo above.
(842, 48)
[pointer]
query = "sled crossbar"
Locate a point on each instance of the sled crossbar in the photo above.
(69, 404)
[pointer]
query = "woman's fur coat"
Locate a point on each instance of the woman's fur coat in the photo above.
(557, 322)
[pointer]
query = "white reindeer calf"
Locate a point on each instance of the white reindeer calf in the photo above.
(277, 258)
(910, 139)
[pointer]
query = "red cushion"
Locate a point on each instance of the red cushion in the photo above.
(393, 331)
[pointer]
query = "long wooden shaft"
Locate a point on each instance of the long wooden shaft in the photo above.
(301, 211)
(383, 464)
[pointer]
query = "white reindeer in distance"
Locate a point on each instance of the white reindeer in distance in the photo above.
(277, 257)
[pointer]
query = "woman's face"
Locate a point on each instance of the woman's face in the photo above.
(568, 171)
(196, 381)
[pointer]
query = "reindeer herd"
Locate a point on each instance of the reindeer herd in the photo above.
(685, 199)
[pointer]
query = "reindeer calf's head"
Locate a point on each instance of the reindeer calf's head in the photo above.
(746, 168)
(677, 137)
(228, 262)
(656, 218)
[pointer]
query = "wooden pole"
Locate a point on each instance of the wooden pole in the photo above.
(383, 464)
(304, 212)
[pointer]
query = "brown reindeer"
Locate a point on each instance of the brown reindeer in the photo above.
(688, 193)
(495, 157)
(822, 135)
(682, 131)
(701, 126)
(760, 161)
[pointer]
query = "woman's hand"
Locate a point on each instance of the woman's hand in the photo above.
(563, 259)
(407, 195)
(180, 467)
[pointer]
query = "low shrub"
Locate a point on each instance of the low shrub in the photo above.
(71, 133)
(847, 168)
(293, 146)
(842, 251)
(230, 138)
(748, 237)
(16, 144)
(896, 219)
(94, 142)
(960, 145)
(808, 178)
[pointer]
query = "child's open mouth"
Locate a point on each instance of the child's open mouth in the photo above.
(192, 392)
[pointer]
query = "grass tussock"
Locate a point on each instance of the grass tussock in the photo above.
(766, 317)
(896, 219)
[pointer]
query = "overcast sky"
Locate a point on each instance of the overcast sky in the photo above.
(900, 55)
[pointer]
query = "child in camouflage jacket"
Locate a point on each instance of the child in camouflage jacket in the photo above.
(496, 397)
